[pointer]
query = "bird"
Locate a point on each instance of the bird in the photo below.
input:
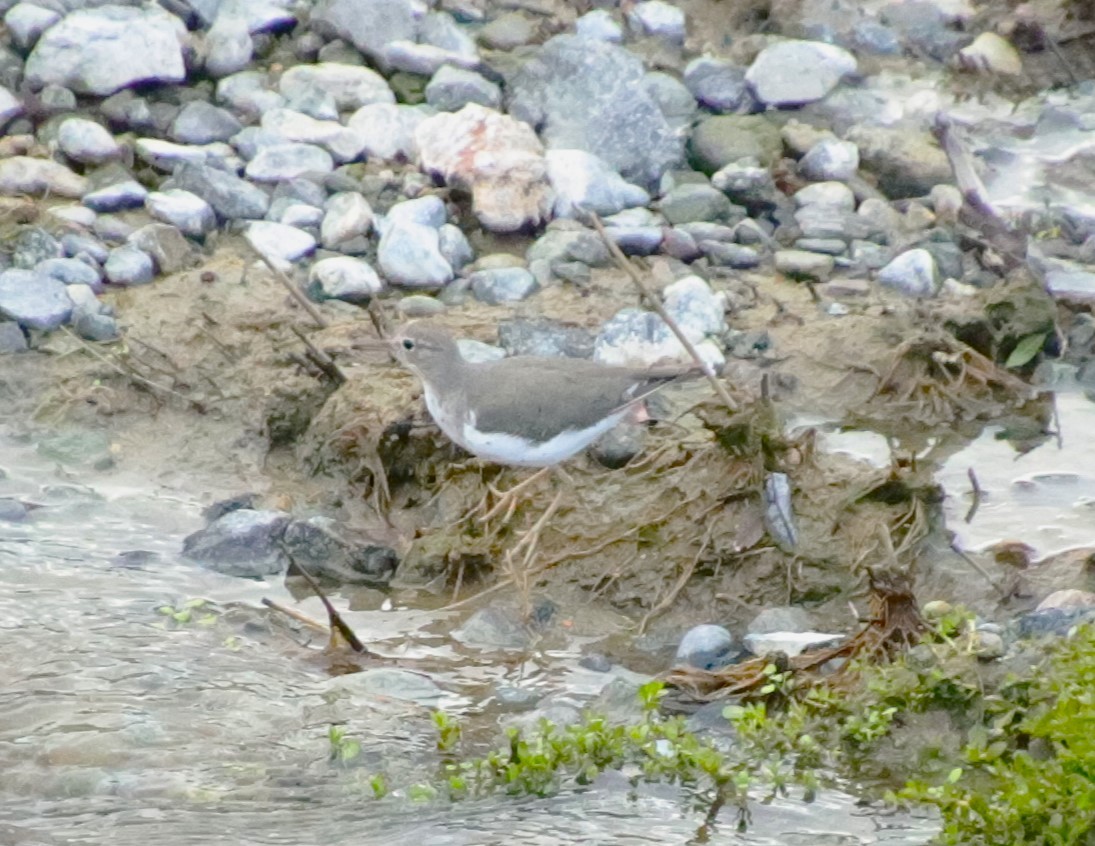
(524, 411)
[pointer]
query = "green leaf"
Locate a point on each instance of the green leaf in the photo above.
(1026, 349)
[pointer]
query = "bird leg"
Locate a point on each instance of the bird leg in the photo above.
(507, 502)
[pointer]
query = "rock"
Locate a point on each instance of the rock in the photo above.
(299, 215)
(192, 215)
(129, 266)
(454, 246)
(790, 618)
(425, 211)
(543, 337)
(26, 22)
(167, 155)
(869, 36)
(11, 510)
(33, 245)
(749, 185)
(694, 202)
(800, 264)
(340, 141)
(913, 273)
(792, 73)
(718, 85)
(830, 160)
(675, 102)
(658, 19)
(827, 195)
(619, 445)
(451, 89)
(416, 60)
(232, 198)
(12, 339)
(1067, 600)
(242, 543)
(280, 162)
(166, 244)
(386, 131)
(388, 683)
(95, 326)
(318, 548)
(100, 51)
(497, 159)
(32, 300)
(247, 92)
(87, 142)
(502, 285)
(228, 46)
(352, 86)
(494, 627)
(991, 53)
(576, 244)
(10, 106)
(347, 216)
(70, 271)
(74, 244)
(600, 26)
(724, 139)
(116, 197)
(987, 645)
(26, 175)
(507, 32)
(199, 122)
(789, 643)
(588, 95)
(409, 255)
(582, 182)
(278, 242)
(907, 163)
(636, 338)
(343, 278)
(706, 647)
(370, 25)
(697, 310)
(440, 29)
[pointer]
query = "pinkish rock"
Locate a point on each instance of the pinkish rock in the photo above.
(498, 159)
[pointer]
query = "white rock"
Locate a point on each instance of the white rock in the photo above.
(87, 142)
(281, 162)
(585, 182)
(834, 195)
(425, 211)
(792, 73)
(386, 131)
(341, 142)
(228, 46)
(409, 255)
(343, 278)
(913, 273)
(659, 19)
(347, 215)
(247, 92)
(26, 175)
(10, 106)
(166, 155)
(188, 212)
(991, 53)
(352, 86)
(27, 21)
(280, 243)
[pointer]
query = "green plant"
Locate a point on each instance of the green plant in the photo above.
(343, 749)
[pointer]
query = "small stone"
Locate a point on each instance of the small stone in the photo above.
(503, 285)
(988, 646)
(192, 215)
(12, 339)
(232, 198)
(70, 271)
(347, 216)
(33, 245)
(494, 628)
(166, 244)
(718, 85)
(340, 141)
(800, 264)
(228, 46)
(292, 213)
(619, 445)
(507, 32)
(724, 139)
(793, 73)
(247, 92)
(386, 132)
(585, 183)
(26, 22)
(343, 278)
(279, 242)
(409, 255)
(600, 26)
(991, 53)
(26, 175)
(121, 196)
(288, 161)
(790, 618)
(351, 86)
(419, 305)
(425, 211)
(451, 89)
(694, 202)
(913, 273)
(73, 244)
(658, 19)
(830, 160)
(167, 155)
(129, 266)
(830, 195)
(87, 142)
(1067, 600)
(32, 300)
(736, 256)
(203, 123)
(706, 647)
(242, 543)
(636, 338)
(789, 643)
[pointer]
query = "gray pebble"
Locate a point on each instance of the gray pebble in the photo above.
(278, 241)
(200, 122)
(228, 46)
(717, 84)
(454, 246)
(32, 300)
(658, 19)
(913, 273)
(451, 89)
(70, 271)
(343, 278)
(800, 264)
(830, 159)
(288, 161)
(792, 72)
(502, 285)
(694, 202)
(87, 142)
(409, 255)
(128, 194)
(12, 339)
(25, 22)
(600, 26)
(706, 647)
(232, 198)
(347, 215)
(128, 266)
(188, 212)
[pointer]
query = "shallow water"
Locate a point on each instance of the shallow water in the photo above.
(120, 725)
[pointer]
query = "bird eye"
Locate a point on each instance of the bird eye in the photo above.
(408, 344)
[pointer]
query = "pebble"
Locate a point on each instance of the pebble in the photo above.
(725, 139)
(498, 159)
(74, 244)
(87, 142)
(370, 25)
(386, 131)
(26, 22)
(340, 141)
(199, 122)
(788, 618)
(717, 85)
(793, 72)
(317, 546)
(801, 264)
(351, 86)
(129, 266)
(494, 627)
(10, 106)
(830, 160)
(599, 25)
(280, 162)
(658, 19)
(502, 285)
(706, 647)
(992, 54)
(583, 182)
(1067, 600)
(228, 46)
(419, 305)
(636, 338)
(166, 244)
(33, 245)
(243, 543)
(409, 255)
(450, 89)
(127, 194)
(913, 273)
(693, 202)
(736, 256)
(12, 339)
(192, 215)
(344, 278)
(26, 175)
(167, 155)
(987, 645)
(70, 271)
(278, 242)
(573, 88)
(300, 215)
(454, 246)
(232, 198)
(32, 300)
(248, 93)
(100, 51)
(347, 215)
(789, 643)
(828, 195)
